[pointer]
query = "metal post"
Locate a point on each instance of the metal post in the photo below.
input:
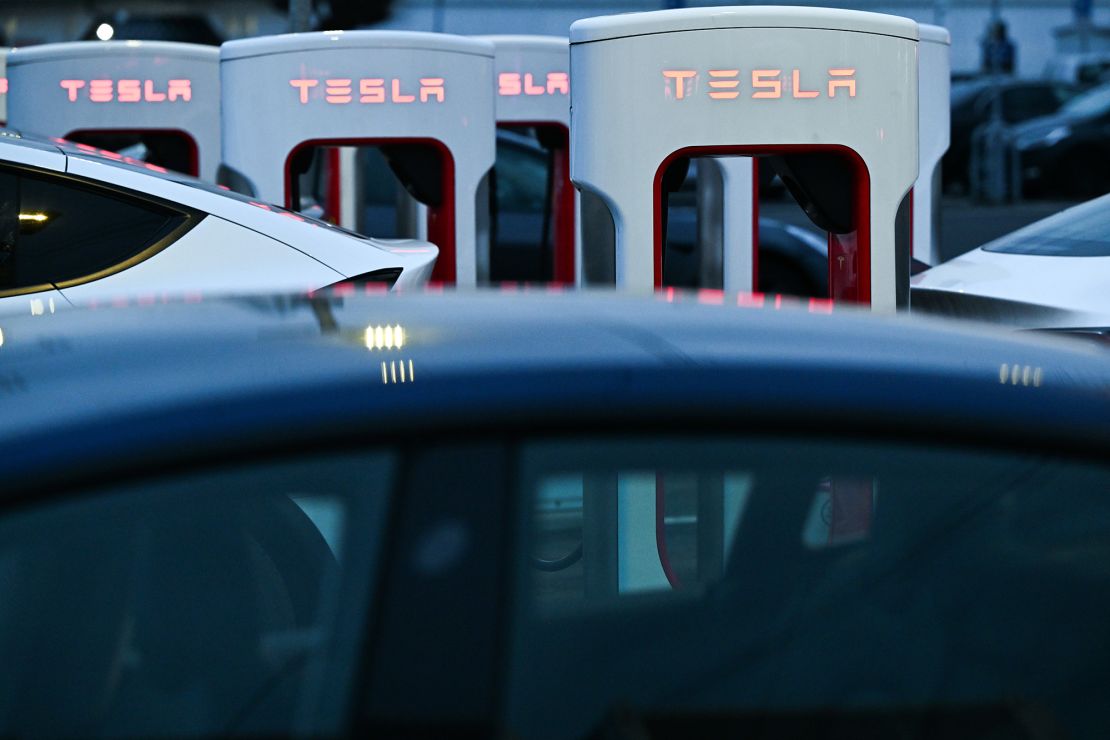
(940, 12)
(300, 15)
(439, 12)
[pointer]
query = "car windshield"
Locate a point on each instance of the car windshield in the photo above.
(1082, 231)
(1089, 104)
(212, 604)
(763, 580)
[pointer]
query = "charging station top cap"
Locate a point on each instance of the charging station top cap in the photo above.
(524, 41)
(934, 34)
(295, 43)
(532, 78)
(99, 49)
(751, 16)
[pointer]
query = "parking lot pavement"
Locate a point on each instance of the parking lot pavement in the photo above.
(964, 225)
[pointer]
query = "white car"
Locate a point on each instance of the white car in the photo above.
(1052, 274)
(78, 225)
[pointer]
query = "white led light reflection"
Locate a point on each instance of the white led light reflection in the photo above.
(384, 337)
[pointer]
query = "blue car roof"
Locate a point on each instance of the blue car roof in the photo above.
(93, 380)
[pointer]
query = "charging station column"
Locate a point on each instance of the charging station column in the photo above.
(935, 117)
(160, 96)
(828, 97)
(425, 99)
(532, 85)
(3, 86)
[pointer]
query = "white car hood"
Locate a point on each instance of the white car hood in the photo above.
(1070, 285)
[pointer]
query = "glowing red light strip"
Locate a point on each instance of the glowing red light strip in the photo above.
(128, 91)
(512, 84)
(765, 83)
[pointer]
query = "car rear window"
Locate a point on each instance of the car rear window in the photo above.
(1091, 103)
(764, 577)
(56, 230)
(1082, 231)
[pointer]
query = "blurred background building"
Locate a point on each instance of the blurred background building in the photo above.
(1035, 30)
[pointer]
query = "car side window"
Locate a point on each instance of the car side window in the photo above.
(1023, 103)
(214, 602)
(55, 230)
(791, 575)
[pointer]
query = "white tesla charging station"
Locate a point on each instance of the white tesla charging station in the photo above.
(167, 92)
(808, 86)
(828, 97)
(934, 72)
(532, 85)
(430, 96)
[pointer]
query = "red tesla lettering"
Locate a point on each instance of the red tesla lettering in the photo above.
(767, 82)
(431, 87)
(371, 90)
(508, 84)
(130, 91)
(180, 89)
(558, 82)
(679, 76)
(338, 92)
(72, 86)
(304, 86)
(397, 97)
(530, 88)
(151, 95)
(849, 84)
(100, 91)
(724, 83)
(798, 91)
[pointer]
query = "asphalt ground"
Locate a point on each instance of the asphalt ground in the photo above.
(964, 224)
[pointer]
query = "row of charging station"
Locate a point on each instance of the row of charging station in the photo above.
(828, 99)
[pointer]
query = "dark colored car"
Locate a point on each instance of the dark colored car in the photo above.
(972, 104)
(1068, 153)
(548, 517)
